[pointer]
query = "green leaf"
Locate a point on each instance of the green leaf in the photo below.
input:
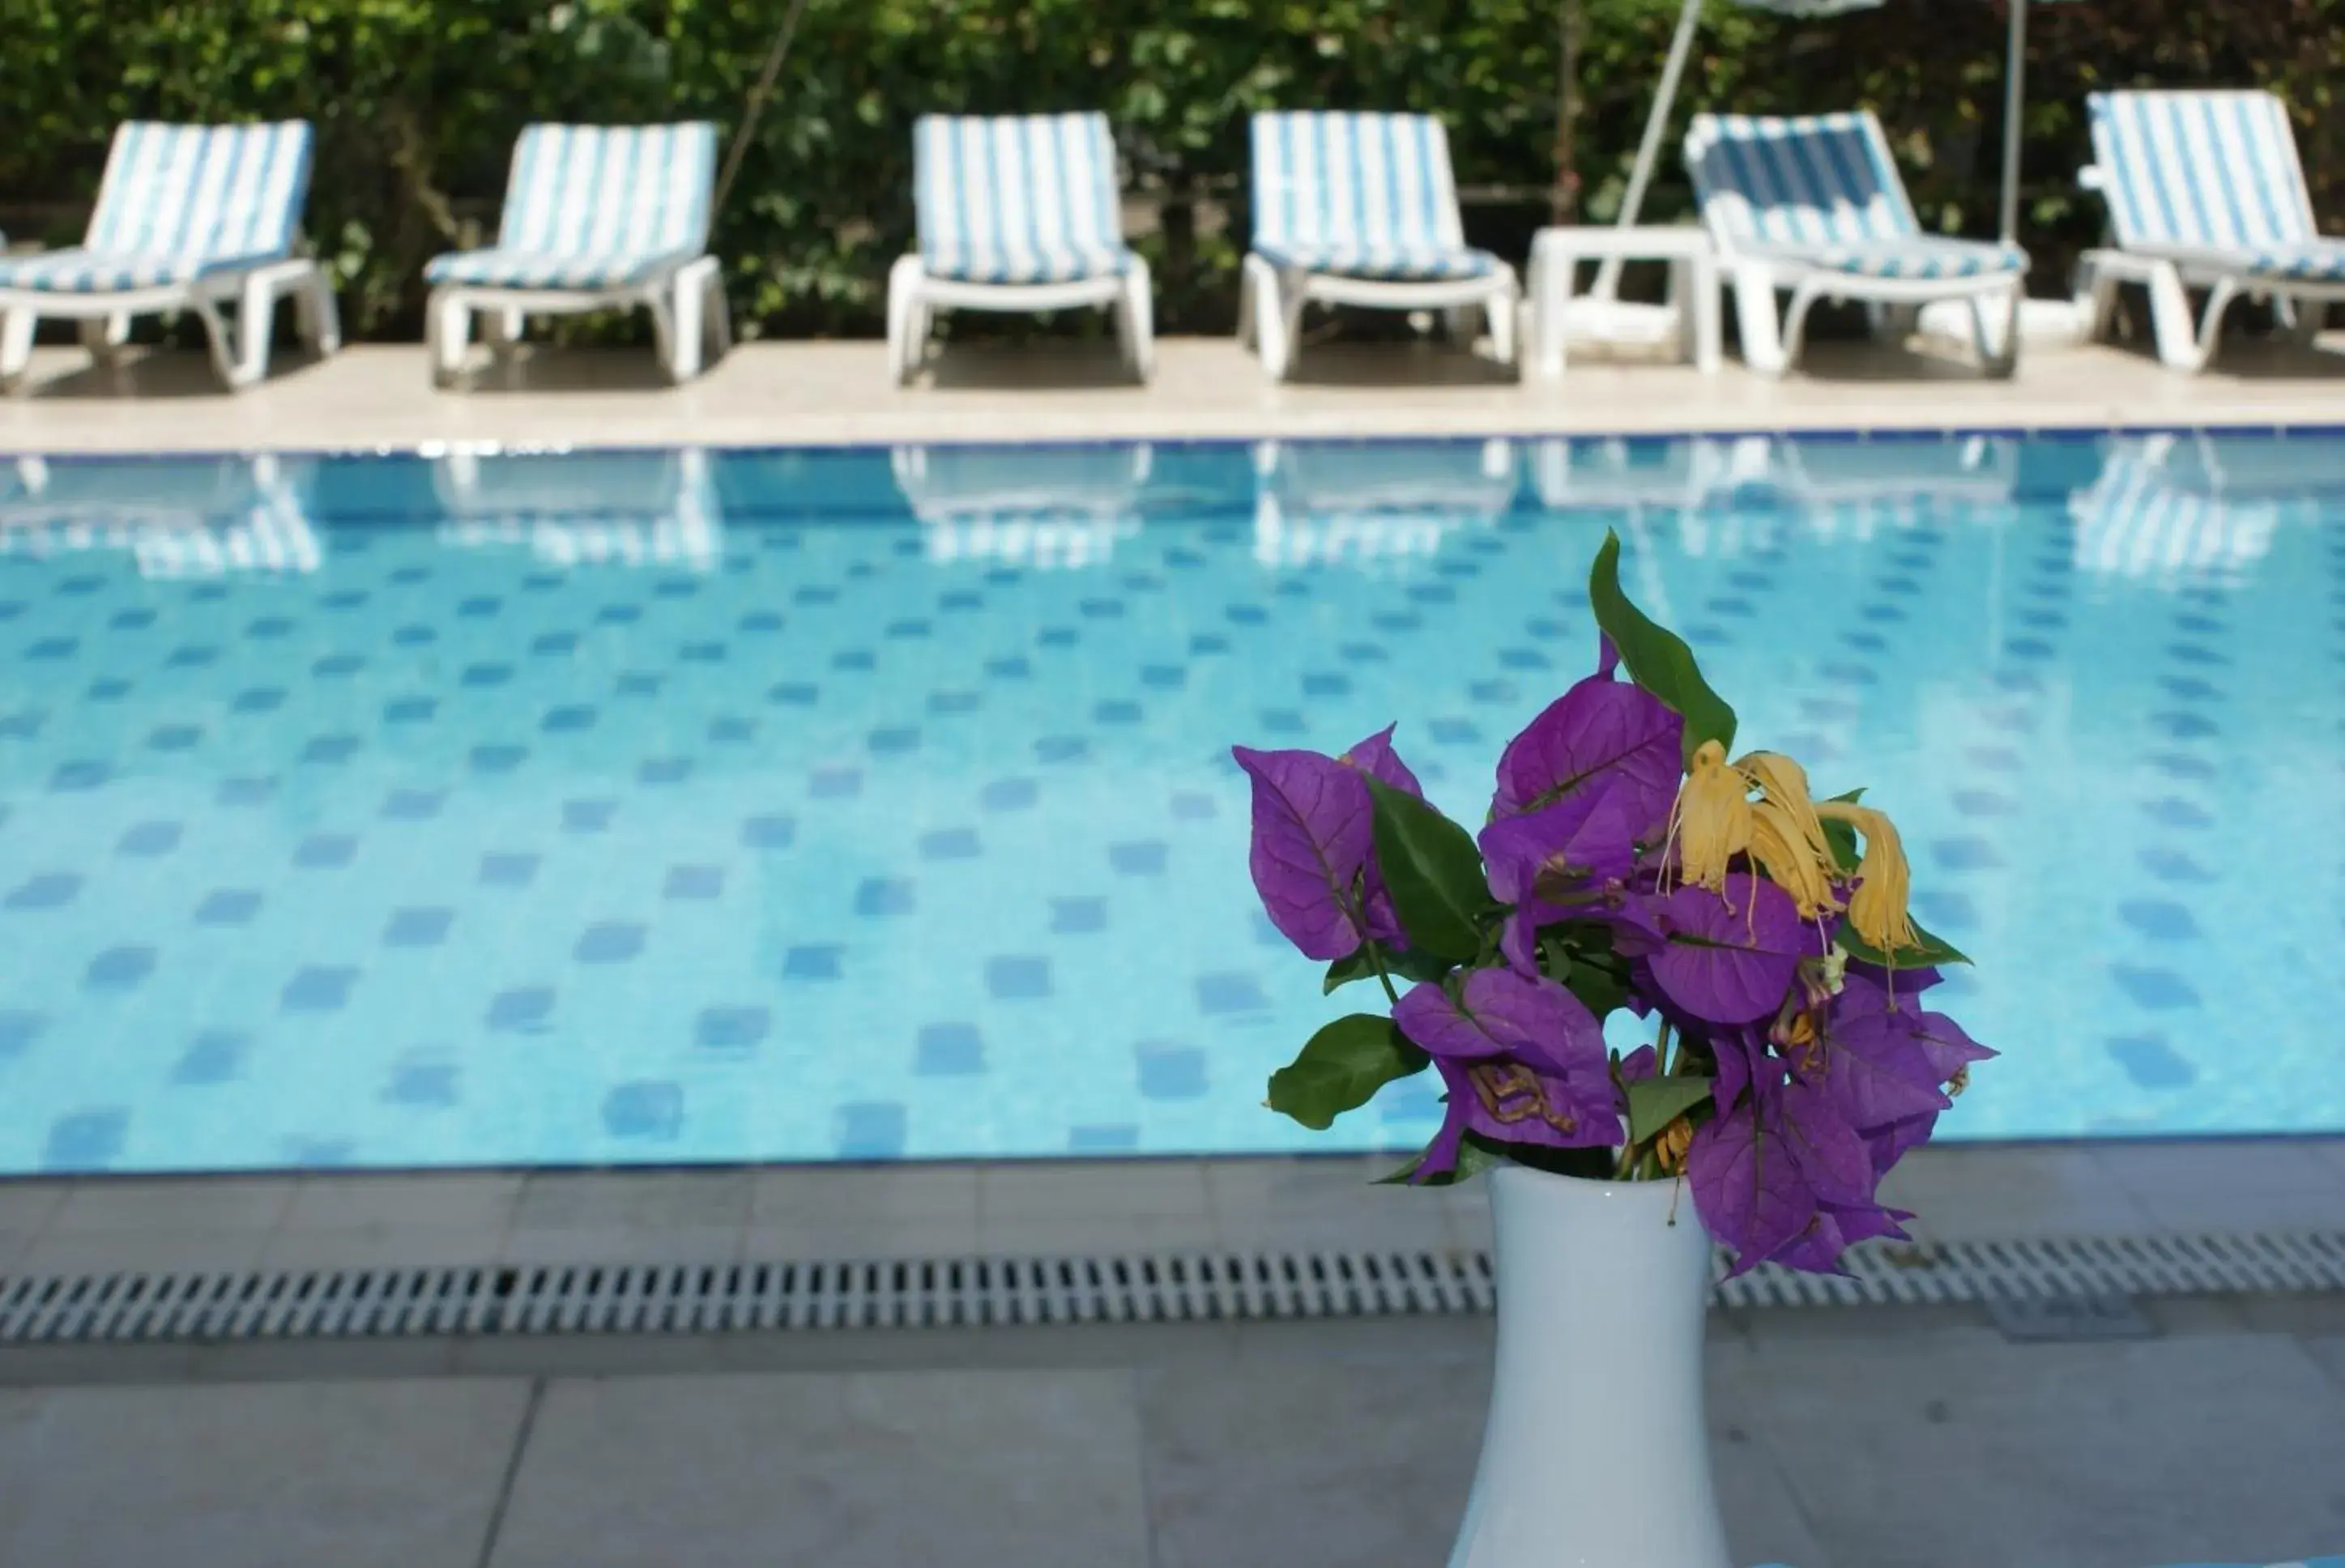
(1841, 838)
(1654, 1103)
(1342, 1067)
(1926, 952)
(1657, 657)
(1434, 873)
(1474, 1158)
(1407, 964)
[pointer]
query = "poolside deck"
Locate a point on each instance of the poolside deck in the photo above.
(838, 393)
(1844, 1438)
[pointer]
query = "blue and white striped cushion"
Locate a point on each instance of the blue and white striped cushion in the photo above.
(595, 207)
(2203, 171)
(1922, 256)
(1364, 195)
(178, 202)
(1017, 198)
(1810, 181)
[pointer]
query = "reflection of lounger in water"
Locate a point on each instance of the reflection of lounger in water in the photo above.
(585, 509)
(2170, 505)
(1317, 504)
(176, 517)
(1024, 506)
(1729, 494)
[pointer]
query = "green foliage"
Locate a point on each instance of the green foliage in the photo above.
(1341, 1068)
(417, 103)
(1657, 657)
(1433, 870)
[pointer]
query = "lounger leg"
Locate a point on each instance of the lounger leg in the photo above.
(665, 339)
(1796, 323)
(2097, 299)
(1754, 313)
(1135, 320)
(1267, 310)
(1245, 309)
(906, 345)
(2169, 315)
(16, 345)
(1504, 310)
(1891, 324)
(690, 330)
(448, 327)
(104, 337)
(1997, 331)
(2302, 318)
(1294, 293)
(315, 314)
(502, 330)
(716, 314)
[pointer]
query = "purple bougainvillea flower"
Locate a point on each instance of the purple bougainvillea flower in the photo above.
(1311, 838)
(1641, 1063)
(1747, 1187)
(1523, 1059)
(1730, 956)
(1600, 729)
(1552, 863)
(1872, 1060)
(1837, 1229)
(1376, 757)
(1833, 1159)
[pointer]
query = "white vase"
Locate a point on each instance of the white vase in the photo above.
(1596, 1454)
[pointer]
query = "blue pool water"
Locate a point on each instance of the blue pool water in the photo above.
(466, 808)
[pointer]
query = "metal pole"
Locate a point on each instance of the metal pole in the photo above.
(1649, 151)
(758, 94)
(2014, 92)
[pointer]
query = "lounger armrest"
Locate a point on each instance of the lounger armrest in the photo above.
(2092, 176)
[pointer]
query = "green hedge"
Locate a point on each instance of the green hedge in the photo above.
(417, 104)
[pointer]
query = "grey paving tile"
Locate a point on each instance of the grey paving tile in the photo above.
(1346, 1463)
(2231, 1186)
(395, 1474)
(598, 1200)
(1952, 1449)
(69, 1252)
(26, 1206)
(866, 1470)
(453, 1200)
(172, 1203)
(2328, 1349)
(1972, 1192)
(846, 1211)
(1169, 1189)
(382, 1246)
(1321, 1202)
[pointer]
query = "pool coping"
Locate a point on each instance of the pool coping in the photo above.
(1968, 1192)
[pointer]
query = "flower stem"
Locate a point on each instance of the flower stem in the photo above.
(1376, 960)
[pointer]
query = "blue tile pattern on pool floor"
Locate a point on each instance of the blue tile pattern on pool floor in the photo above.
(715, 806)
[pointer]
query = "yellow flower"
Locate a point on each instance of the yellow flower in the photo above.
(1877, 910)
(1710, 823)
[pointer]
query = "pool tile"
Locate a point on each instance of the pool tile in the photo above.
(1143, 858)
(523, 1010)
(871, 1129)
(229, 907)
(508, 870)
(2150, 1062)
(948, 1050)
(418, 928)
(651, 1109)
(1170, 1072)
(413, 805)
(1078, 916)
(317, 988)
(426, 1084)
(951, 844)
(213, 1057)
(736, 1028)
(1219, 994)
(694, 882)
(326, 851)
(19, 1029)
(588, 815)
(835, 784)
(123, 968)
(2159, 919)
(1016, 979)
(609, 942)
(812, 963)
(49, 890)
(770, 832)
(86, 1139)
(664, 771)
(2159, 990)
(883, 896)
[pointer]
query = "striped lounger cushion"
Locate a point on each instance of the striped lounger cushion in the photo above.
(2214, 175)
(178, 203)
(1365, 196)
(1822, 190)
(595, 207)
(1017, 199)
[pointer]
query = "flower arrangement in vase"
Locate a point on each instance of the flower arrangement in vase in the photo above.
(1761, 934)
(1626, 864)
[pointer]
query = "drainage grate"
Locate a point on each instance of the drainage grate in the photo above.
(980, 1292)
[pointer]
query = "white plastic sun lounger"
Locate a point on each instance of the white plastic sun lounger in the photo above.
(1361, 209)
(1813, 205)
(2205, 190)
(1016, 213)
(596, 217)
(187, 217)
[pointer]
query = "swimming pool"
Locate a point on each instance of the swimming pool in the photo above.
(484, 808)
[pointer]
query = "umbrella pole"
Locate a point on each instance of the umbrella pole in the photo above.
(2015, 90)
(1648, 150)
